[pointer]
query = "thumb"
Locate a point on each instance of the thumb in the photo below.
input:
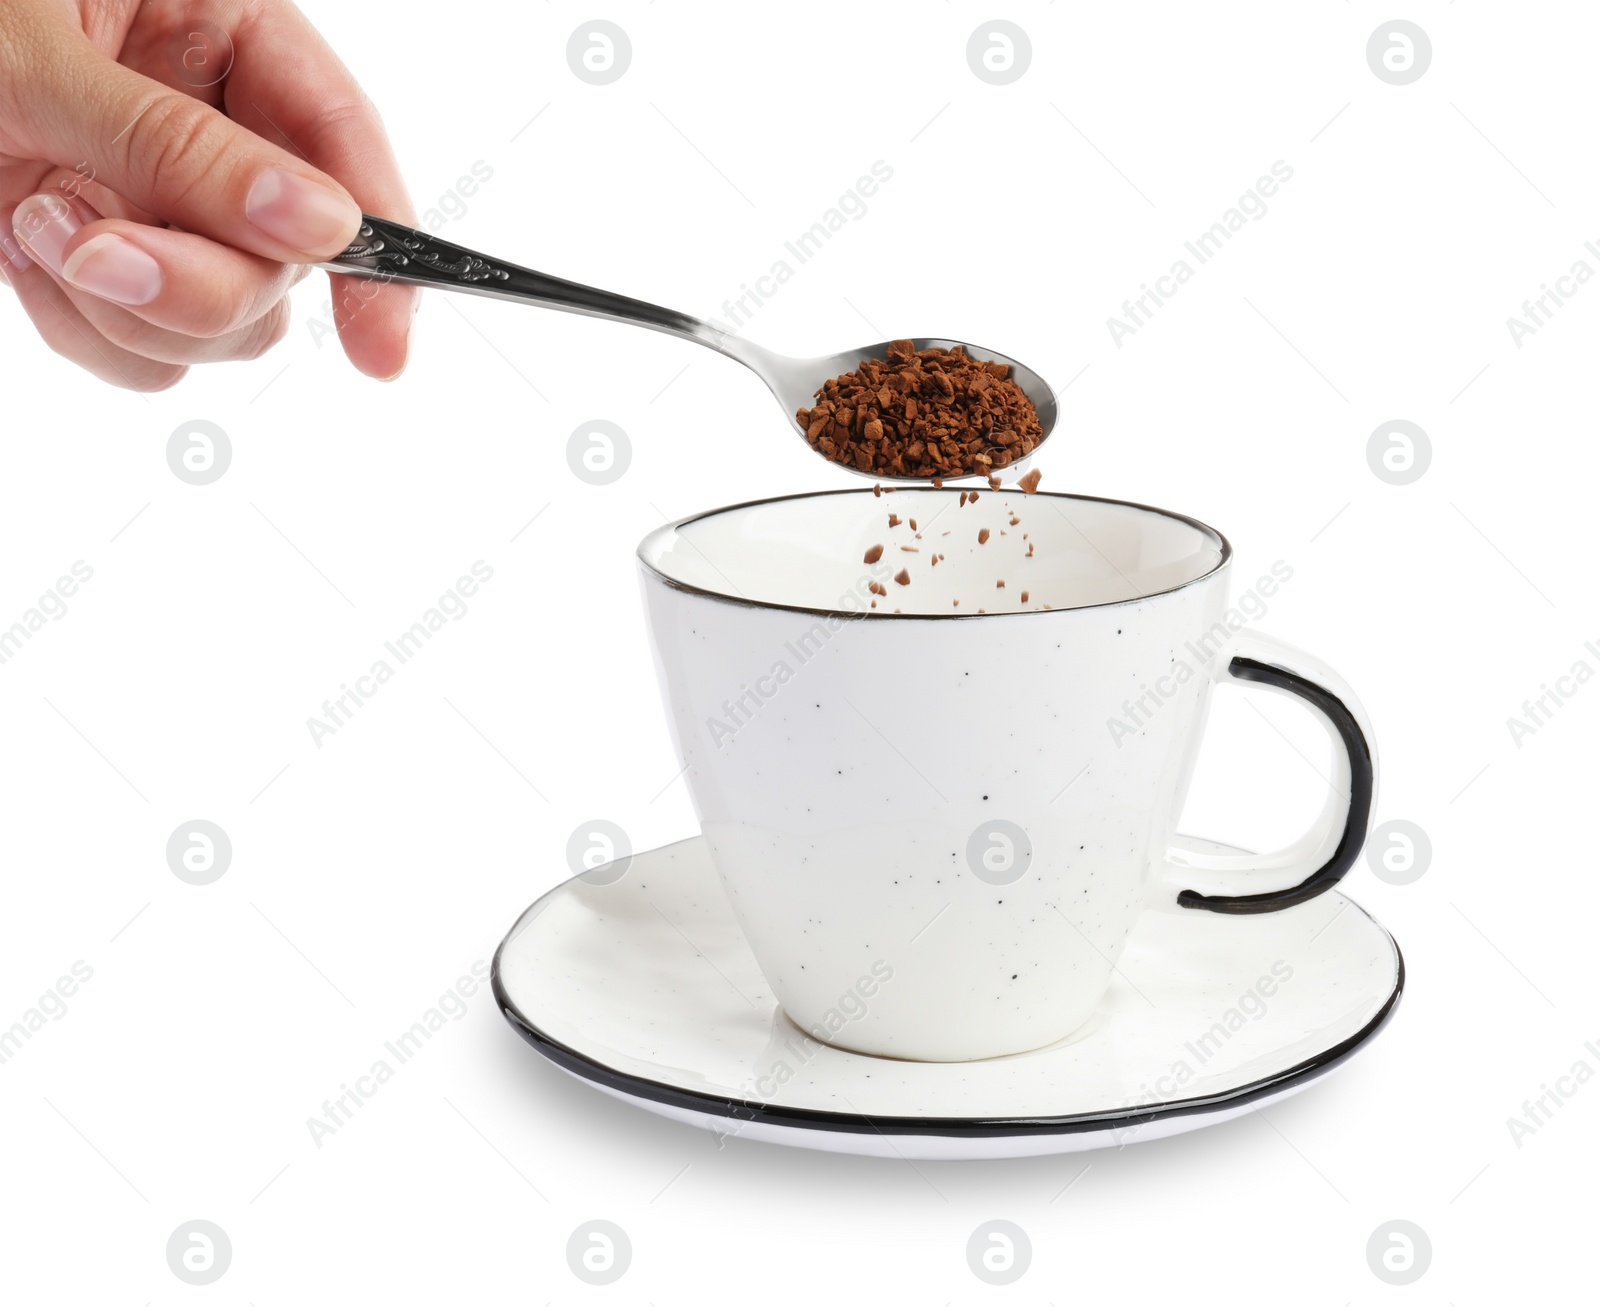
(185, 162)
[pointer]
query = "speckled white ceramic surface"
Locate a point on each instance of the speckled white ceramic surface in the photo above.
(852, 766)
(643, 983)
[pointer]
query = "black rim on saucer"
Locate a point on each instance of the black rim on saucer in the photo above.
(744, 1110)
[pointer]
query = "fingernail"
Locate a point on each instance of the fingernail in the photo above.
(302, 214)
(44, 224)
(114, 269)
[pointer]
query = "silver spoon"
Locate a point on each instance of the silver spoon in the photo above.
(390, 251)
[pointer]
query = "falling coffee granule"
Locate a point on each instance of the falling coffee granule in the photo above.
(902, 577)
(872, 555)
(894, 519)
(1030, 483)
(983, 535)
(1024, 596)
(923, 413)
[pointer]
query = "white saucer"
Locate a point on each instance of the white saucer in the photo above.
(645, 987)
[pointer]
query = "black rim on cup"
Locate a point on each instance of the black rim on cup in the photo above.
(1224, 556)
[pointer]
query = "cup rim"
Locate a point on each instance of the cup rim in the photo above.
(1224, 557)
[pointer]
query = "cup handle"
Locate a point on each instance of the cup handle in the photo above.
(1319, 858)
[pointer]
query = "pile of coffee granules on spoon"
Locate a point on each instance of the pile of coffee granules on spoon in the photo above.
(923, 413)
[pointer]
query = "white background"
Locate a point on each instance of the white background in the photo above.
(369, 874)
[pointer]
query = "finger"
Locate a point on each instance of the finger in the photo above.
(188, 300)
(139, 337)
(319, 112)
(172, 279)
(173, 156)
(65, 330)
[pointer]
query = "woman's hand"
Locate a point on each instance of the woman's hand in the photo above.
(167, 174)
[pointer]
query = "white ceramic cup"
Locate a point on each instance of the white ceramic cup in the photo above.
(938, 819)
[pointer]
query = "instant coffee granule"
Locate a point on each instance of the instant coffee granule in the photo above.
(923, 413)
(1011, 515)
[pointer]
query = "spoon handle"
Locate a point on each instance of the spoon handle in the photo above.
(392, 252)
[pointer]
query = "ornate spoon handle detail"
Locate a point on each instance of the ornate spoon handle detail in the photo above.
(391, 251)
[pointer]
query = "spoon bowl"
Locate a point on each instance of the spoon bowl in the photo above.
(392, 252)
(795, 382)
